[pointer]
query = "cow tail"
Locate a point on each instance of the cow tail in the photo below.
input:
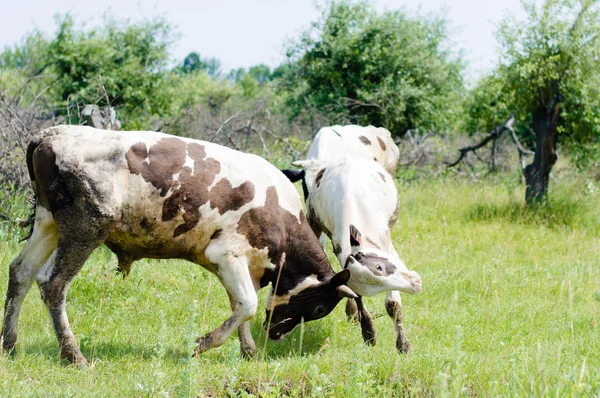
(29, 159)
(297, 175)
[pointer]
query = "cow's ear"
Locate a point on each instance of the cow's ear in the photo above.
(355, 236)
(340, 278)
(294, 175)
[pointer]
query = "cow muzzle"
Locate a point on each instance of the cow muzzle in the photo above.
(277, 332)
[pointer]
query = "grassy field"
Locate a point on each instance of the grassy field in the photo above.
(508, 307)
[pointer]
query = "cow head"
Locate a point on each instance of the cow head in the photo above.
(374, 271)
(308, 301)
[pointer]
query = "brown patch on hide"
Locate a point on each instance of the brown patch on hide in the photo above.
(382, 176)
(134, 156)
(190, 191)
(319, 176)
(276, 229)
(225, 198)
(158, 164)
(381, 143)
(266, 226)
(364, 140)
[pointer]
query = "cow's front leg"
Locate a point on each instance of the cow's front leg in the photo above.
(352, 310)
(247, 345)
(393, 306)
(235, 277)
(366, 322)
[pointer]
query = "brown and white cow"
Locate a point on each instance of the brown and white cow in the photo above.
(374, 143)
(151, 195)
(355, 202)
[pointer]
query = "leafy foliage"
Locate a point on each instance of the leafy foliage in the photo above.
(193, 62)
(390, 69)
(555, 51)
(118, 64)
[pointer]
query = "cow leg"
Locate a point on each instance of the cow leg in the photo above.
(54, 279)
(22, 273)
(352, 310)
(366, 322)
(247, 345)
(235, 277)
(393, 306)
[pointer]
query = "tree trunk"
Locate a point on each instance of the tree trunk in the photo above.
(544, 123)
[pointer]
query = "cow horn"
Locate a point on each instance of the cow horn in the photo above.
(300, 163)
(345, 291)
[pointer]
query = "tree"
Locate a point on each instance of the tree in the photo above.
(388, 69)
(550, 70)
(193, 63)
(261, 72)
(118, 64)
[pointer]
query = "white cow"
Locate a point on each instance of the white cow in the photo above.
(355, 202)
(374, 143)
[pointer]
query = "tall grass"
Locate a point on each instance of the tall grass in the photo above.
(508, 308)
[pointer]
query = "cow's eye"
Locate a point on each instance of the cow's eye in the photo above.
(319, 311)
(379, 268)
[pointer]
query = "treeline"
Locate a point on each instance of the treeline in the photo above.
(398, 69)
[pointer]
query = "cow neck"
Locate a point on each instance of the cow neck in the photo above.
(303, 257)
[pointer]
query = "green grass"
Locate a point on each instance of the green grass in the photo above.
(508, 308)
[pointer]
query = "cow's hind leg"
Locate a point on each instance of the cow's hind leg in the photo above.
(393, 306)
(74, 248)
(22, 272)
(235, 277)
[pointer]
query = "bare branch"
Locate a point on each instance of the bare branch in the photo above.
(493, 135)
(221, 127)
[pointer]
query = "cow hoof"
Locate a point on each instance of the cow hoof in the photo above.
(8, 343)
(9, 350)
(369, 336)
(403, 345)
(371, 342)
(247, 352)
(82, 365)
(204, 343)
(78, 361)
(72, 354)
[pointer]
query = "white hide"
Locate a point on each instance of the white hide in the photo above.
(337, 142)
(358, 192)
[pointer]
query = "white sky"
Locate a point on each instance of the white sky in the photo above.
(248, 32)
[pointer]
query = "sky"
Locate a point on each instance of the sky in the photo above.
(241, 33)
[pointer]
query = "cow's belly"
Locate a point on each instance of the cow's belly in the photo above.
(141, 232)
